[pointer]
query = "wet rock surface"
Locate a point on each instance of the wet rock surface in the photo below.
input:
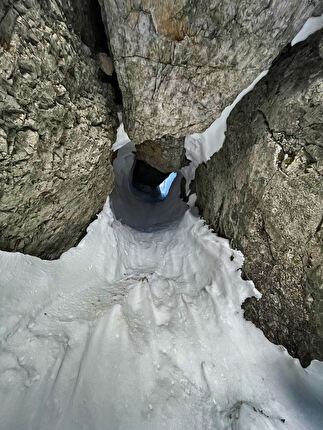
(166, 154)
(180, 63)
(58, 121)
(263, 190)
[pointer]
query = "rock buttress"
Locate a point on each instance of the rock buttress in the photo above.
(263, 190)
(58, 121)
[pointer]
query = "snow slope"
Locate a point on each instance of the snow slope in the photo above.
(140, 329)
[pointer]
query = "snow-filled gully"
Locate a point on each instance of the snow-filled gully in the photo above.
(140, 327)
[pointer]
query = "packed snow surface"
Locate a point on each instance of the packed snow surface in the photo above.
(311, 26)
(140, 329)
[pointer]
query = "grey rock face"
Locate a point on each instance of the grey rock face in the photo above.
(83, 17)
(263, 190)
(181, 62)
(57, 123)
(166, 154)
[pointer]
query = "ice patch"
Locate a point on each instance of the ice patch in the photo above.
(166, 184)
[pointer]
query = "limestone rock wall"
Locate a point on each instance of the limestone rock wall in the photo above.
(166, 154)
(58, 121)
(181, 62)
(263, 190)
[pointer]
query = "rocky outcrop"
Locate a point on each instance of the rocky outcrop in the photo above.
(58, 121)
(166, 154)
(180, 63)
(263, 190)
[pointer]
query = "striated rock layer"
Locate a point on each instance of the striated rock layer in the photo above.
(263, 190)
(57, 124)
(181, 62)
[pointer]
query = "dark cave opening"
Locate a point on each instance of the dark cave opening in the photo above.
(146, 175)
(147, 179)
(143, 197)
